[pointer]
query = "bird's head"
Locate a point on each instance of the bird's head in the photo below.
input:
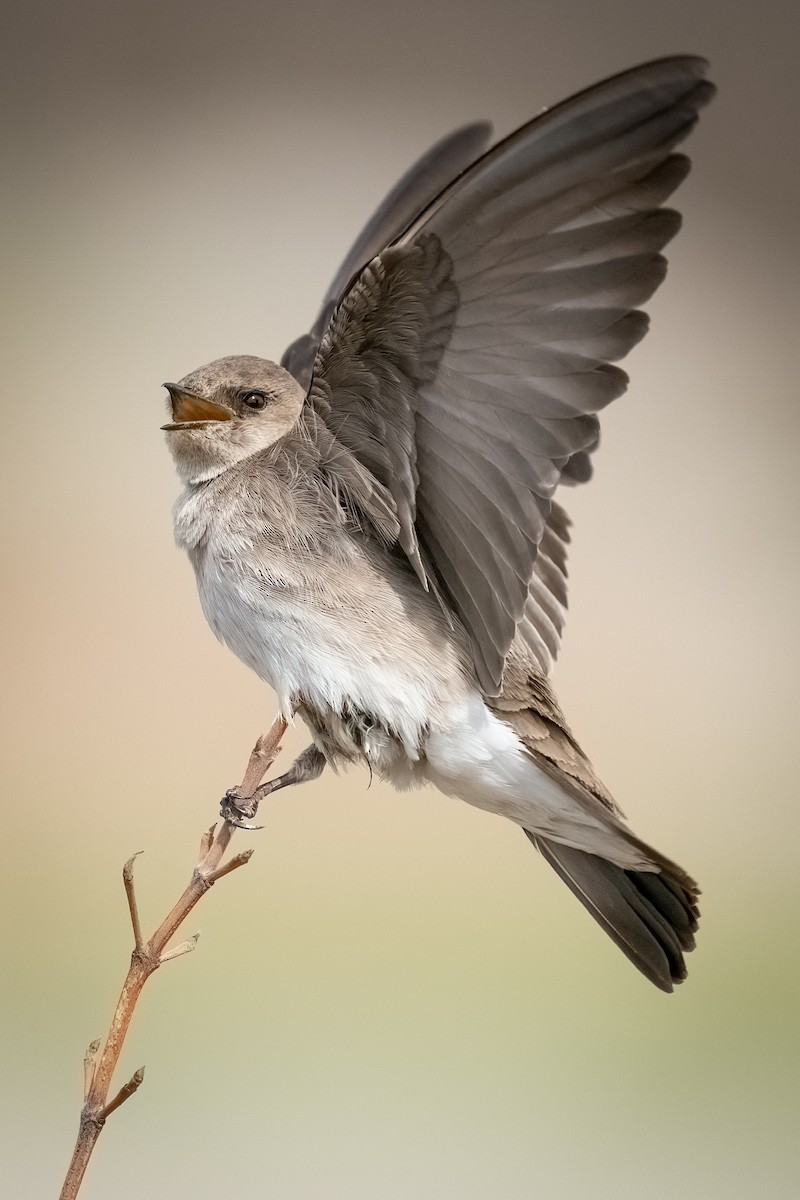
(228, 410)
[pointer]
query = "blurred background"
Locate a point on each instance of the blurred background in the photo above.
(396, 999)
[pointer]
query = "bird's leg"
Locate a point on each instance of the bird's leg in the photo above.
(238, 810)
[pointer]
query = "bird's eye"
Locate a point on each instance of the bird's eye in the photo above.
(255, 399)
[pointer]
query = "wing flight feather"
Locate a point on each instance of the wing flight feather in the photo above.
(466, 364)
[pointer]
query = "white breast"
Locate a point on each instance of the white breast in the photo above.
(332, 624)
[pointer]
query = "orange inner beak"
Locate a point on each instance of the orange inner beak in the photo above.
(187, 409)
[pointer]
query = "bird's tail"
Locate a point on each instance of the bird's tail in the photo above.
(651, 916)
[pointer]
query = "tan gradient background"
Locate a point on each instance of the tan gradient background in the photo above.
(396, 999)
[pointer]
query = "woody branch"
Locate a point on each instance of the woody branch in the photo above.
(147, 957)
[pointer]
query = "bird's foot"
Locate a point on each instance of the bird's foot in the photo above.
(238, 810)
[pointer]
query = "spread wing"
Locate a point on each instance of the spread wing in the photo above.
(411, 194)
(466, 364)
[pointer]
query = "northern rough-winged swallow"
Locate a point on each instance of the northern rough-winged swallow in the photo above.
(373, 524)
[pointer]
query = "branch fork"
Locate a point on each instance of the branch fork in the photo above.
(148, 956)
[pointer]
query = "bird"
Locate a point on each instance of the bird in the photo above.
(375, 523)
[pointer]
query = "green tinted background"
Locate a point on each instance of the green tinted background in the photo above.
(396, 999)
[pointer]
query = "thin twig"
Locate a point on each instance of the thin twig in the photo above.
(238, 860)
(148, 956)
(184, 948)
(133, 908)
(89, 1061)
(124, 1093)
(205, 842)
(262, 757)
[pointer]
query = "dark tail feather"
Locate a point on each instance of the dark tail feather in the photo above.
(651, 917)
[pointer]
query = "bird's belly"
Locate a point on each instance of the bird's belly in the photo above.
(356, 649)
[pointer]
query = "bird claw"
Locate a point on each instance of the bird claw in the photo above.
(237, 811)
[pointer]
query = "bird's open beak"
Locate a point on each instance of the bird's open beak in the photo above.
(189, 409)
